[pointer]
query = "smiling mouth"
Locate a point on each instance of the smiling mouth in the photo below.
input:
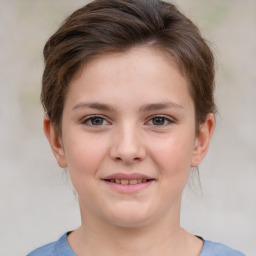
(128, 182)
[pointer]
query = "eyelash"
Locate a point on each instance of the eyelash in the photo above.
(167, 120)
(90, 119)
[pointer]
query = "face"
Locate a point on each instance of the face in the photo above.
(128, 137)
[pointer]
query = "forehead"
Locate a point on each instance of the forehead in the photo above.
(145, 55)
(138, 72)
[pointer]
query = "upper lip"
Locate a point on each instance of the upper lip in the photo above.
(124, 176)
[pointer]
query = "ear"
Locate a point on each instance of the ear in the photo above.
(55, 142)
(202, 141)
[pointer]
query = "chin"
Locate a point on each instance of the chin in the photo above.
(130, 218)
(130, 223)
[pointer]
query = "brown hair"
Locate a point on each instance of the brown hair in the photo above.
(118, 25)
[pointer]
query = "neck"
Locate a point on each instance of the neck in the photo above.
(98, 237)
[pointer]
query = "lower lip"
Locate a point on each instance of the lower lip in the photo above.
(124, 188)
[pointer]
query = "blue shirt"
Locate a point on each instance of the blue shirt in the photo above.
(62, 248)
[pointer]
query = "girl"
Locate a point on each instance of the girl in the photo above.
(128, 95)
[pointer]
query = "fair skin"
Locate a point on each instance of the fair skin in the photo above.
(129, 140)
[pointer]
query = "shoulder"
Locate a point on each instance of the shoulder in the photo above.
(217, 249)
(57, 248)
(46, 250)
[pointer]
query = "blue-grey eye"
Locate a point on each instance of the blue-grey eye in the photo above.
(96, 120)
(159, 120)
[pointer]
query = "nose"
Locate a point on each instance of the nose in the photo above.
(127, 145)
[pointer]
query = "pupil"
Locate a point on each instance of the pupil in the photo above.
(97, 121)
(158, 121)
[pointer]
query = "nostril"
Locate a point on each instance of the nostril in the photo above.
(127, 154)
(135, 159)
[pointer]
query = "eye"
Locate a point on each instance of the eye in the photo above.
(95, 121)
(160, 121)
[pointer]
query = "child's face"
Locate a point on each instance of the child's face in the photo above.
(129, 116)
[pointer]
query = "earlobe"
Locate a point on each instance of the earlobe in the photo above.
(203, 140)
(55, 142)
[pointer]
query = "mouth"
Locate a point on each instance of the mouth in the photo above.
(128, 183)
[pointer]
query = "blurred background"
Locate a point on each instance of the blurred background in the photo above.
(37, 203)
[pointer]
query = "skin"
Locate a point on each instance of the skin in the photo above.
(145, 125)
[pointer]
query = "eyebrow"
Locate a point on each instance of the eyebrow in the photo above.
(144, 108)
(94, 105)
(159, 106)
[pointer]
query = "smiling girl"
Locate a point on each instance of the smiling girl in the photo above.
(128, 95)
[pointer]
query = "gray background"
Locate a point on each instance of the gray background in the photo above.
(37, 201)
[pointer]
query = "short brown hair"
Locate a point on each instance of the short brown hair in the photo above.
(118, 25)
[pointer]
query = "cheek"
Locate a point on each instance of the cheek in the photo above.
(173, 155)
(84, 157)
(172, 158)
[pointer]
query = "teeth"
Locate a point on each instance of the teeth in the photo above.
(133, 182)
(128, 182)
(125, 182)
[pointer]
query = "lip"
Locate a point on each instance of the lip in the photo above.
(131, 176)
(128, 188)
